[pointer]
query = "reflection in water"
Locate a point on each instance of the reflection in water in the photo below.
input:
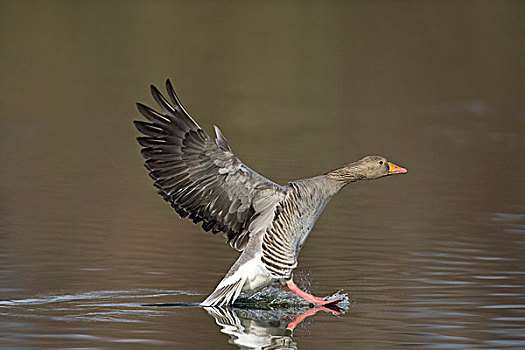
(254, 323)
(250, 332)
(263, 329)
(266, 319)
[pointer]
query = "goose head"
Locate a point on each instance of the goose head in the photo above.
(367, 168)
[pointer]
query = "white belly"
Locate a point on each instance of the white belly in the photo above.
(257, 276)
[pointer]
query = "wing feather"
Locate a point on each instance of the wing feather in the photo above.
(201, 178)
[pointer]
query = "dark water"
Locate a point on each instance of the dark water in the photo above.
(92, 258)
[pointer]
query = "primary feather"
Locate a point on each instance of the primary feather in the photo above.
(201, 179)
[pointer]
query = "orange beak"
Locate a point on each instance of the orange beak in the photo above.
(395, 169)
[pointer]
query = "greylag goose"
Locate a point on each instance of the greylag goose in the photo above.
(203, 180)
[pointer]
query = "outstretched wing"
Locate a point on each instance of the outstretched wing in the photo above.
(202, 179)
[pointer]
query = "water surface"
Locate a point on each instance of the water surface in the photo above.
(92, 258)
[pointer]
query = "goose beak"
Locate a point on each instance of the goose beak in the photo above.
(395, 169)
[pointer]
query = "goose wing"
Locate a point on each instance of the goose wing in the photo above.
(202, 179)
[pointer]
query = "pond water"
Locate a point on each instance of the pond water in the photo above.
(92, 258)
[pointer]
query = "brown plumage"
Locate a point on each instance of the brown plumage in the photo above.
(203, 180)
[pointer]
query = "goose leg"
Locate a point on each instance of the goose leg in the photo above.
(309, 297)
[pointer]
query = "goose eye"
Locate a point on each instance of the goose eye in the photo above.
(381, 162)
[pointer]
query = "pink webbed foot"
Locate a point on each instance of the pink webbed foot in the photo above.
(309, 297)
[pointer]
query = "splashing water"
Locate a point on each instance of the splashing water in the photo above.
(273, 297)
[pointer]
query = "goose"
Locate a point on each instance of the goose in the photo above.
(203, 180)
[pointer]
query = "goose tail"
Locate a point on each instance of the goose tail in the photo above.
(226, 292)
